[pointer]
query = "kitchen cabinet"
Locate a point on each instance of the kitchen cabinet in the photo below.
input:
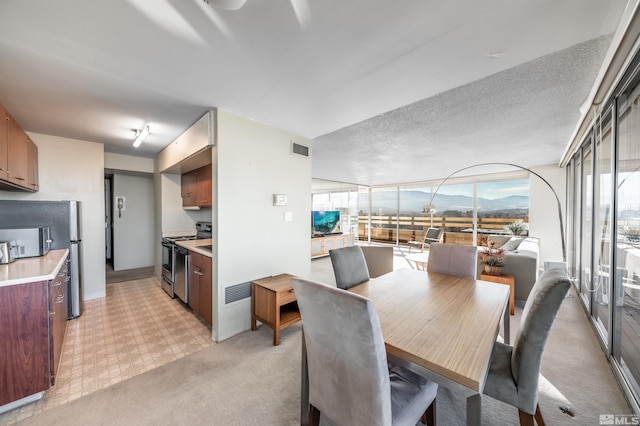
(33, 319)
(196, 187)
(200, 295)
(4, 144)
(18, 156)
(58, 310)
(32, 157)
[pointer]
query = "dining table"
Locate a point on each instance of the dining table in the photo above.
(440, 326)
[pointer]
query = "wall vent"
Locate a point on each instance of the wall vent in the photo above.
(299, 149)
(237, 292)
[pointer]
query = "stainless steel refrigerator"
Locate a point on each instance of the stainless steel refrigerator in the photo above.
(63, 219)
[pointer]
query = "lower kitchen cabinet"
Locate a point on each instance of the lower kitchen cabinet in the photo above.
(200, 295)
(33, 318)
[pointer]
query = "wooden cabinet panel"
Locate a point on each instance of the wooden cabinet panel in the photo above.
(58, 310)
(200, 292)
(4, 143)
(18, 154)
(24, 327)
(32, 162)
(188, 188)
(196, 187)
(205, 186)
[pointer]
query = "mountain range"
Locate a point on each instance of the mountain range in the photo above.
(411, 203)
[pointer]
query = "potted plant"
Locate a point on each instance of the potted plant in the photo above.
(493, 258)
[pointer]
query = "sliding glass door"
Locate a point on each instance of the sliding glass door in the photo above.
(627, 334)
(602, 212)
(586, 229)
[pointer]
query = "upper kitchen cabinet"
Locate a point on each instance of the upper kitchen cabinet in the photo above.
(196, 187)
(18, 156)
(4, 144)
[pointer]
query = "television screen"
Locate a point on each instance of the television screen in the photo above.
(325, 223)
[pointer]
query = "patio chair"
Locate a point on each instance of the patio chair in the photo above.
(433, 235)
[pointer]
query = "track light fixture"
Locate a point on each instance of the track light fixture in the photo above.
(141, 135)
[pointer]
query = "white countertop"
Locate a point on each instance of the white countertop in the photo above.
(195, 245)
(32, 269)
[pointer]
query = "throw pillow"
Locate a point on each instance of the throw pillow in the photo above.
(512, 244)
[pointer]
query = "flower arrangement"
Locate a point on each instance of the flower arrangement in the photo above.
(492, 255)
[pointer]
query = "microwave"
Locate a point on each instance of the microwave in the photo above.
(29, 242)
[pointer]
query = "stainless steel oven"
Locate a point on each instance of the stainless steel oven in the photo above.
(169, 255)
(167, 266)
(174, 258)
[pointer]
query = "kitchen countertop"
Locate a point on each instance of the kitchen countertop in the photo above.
(32, 269)
(199, 246)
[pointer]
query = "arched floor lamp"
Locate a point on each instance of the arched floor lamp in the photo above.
(564, 250)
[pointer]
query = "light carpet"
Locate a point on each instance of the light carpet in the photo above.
(245, 380)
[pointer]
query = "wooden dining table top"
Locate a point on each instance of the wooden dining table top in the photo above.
(443, 323)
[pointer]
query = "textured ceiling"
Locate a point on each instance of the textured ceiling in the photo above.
(524, 115)
(391, 91)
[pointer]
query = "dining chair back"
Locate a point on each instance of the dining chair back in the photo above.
(349, 378)
(514, 370)
(349, 266)
(453, 259)
(379, 259)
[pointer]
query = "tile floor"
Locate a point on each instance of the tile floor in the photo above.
(136, 328)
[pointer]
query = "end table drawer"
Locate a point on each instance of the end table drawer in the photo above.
(287, 297)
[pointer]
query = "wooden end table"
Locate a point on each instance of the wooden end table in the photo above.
(507, 279)
(273, 303)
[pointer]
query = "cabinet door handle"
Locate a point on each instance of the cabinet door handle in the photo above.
(60, 298)
(198, 273)
(19, 178)
(56, 284)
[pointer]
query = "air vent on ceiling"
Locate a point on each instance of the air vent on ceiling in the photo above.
(299, 149)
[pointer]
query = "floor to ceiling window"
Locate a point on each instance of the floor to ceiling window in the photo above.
(604, 230)
(627, 334)
(585, 226)
(601, 284)
(464, 210)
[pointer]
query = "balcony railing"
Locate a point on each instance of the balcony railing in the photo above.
(457, 230)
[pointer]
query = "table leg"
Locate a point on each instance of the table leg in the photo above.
(304, 386)
(505, 323)
(474, 404)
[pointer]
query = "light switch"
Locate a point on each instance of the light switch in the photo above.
(288, 216)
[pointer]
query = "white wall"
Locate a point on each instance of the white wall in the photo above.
(133, 228)
(71, 169)
(251, 239)
(128, 163)
(543, 210)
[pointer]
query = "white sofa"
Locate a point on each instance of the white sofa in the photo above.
(522, 263)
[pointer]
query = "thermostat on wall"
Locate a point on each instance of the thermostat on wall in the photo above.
(279, 200)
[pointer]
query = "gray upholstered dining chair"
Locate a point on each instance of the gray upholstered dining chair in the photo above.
(453, 259)
(349, 379)
(514, 370)
(379, 259)
(349, 266)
